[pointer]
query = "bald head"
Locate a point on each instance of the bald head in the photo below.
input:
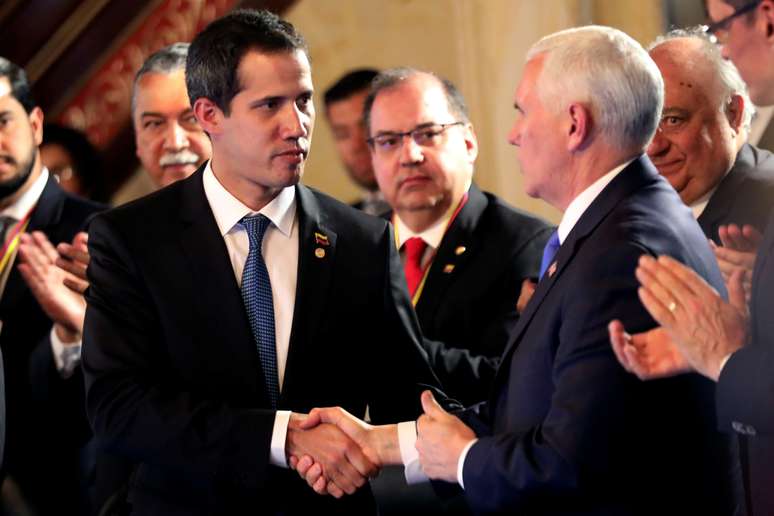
(705, 117)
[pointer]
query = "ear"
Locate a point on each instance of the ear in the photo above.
(579, 126)
(735, 112)
(208, 114)
(36, 122)
(471, 142)
(766, 15)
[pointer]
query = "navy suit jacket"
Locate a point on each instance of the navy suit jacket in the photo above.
(174, 380)
(467, 313)
(44, 464)
(745, 391)
(567, 431)
(744, 196)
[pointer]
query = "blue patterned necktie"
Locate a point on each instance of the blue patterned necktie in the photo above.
(549, 252)
(256, 293)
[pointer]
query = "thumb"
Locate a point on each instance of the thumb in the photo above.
(430, 406)
(312, 420)
(736, 295)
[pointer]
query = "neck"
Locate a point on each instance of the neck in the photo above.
(419, 220)
(14, 197)
(253, 195)
(586, 169)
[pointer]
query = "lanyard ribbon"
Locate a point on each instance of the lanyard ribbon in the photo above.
(12, 241)
(426, 268)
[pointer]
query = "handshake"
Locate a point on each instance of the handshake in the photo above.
(336, 453)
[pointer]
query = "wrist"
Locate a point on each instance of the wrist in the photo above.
(384, 440)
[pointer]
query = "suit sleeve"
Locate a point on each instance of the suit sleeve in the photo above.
(745, 391)
(404, 371)
(513, 469)
(133, 405)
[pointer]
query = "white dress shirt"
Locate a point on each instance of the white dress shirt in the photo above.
(280, 253)
(571, 217)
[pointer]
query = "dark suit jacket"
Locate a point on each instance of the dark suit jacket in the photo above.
(46, 419)
(745, 391)
(744, 196)
(567, 430)
(467, 314)
(173, 375)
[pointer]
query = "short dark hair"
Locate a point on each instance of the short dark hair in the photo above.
(215, 53)
(87, 163)
(349, 84)
(166, 60)
(20, 86)
(393, 77)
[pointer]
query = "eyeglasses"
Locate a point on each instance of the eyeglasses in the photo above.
(426, 135)
(719, 29)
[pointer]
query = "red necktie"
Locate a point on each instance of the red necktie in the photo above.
(415, 248)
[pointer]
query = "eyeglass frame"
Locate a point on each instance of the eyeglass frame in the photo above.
(723, 24)
(417, 130)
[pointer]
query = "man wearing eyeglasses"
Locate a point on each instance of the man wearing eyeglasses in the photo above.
(465, 252)
(731, 342)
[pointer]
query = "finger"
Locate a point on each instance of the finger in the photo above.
(345, 477)
(81, 240)
(656, 288)
(77, 269)
(312, 420)
(733, 257)
(293, 462)
(304, 464)
(313, 473)
(618, 340)
(358, 459)
(635, 360)
(45, 245)
(689, 284)
(655, 308)
(75, 284)
(430, 406)
(335, 490)
(752, 235)
(81, 256)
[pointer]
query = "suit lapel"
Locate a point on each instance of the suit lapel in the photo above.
(316, 258)
(457, 246)
(723, 199)
(217, 297)
(47, 213)
(639, 173)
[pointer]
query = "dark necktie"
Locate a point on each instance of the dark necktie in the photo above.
(256, 293)
(415, 248)
(6, 223)
(549, 252)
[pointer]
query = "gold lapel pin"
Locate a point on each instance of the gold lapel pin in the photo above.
(552, 269)
(321, 239)
(461, 249)
(448, 268)
(319, 252)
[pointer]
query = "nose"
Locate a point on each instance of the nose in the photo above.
(514, 135)
(295, 123)
(176, 137)
(410, 152)
(659, 145)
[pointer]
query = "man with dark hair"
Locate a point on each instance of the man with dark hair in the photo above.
(465, 252)
(170, 143)
(43, 391)
(223, 307)
(344, 111)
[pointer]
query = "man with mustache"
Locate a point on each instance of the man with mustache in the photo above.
(42, 389)
(170, 143)
(225, 306)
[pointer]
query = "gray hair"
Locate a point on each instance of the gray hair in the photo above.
(728, 77)
(612, 72)
(168, 60)
(392, 77)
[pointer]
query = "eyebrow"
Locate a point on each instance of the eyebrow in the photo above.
(674, 111)
(152, 114)
(275, 98)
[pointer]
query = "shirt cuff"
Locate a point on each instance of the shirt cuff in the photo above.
(723, 363)
(461, 461)
(407, 440)
(278, 436)
(66, 356)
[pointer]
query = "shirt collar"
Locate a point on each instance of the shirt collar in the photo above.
(581, 203)
(228, 210)
(432, 235)
(698, 206)
(28, 199)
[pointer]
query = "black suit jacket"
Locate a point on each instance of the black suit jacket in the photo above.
(173, 373)
(46, 421)
(744, 196)
(745, 391)
(467, 313)
(567, 430)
